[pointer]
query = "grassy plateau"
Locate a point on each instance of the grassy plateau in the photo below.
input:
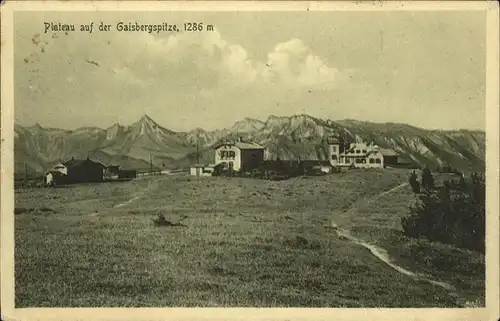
(238, 242)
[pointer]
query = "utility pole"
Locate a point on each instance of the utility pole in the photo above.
(26, 172)
(150, 164)
(197, 148)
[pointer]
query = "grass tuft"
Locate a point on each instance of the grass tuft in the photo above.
(162, 221)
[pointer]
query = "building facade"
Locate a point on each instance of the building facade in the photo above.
(75, 171)
(127, 174)
(239, 156)
(359, 155)
(336, 147)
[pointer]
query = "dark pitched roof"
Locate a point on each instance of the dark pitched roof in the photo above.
(387, 152)
(79, 162)
(241, 145)
(252, 145)
(74, 162)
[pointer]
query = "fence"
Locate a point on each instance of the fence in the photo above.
(141, 173)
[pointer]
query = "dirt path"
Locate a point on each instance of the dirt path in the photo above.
(135, 198)
(382, 254)
(153, 184)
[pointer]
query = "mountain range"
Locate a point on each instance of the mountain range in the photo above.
(37, 148)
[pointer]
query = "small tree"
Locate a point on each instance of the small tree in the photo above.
(422, 219)
(450, 216)
(427, 179)
(462, 184)
(415, 185)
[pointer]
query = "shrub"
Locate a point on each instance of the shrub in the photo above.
(162, 221)
(302, 242)
(462, 184)
(415, 185)
(450, 216)
(427, 179)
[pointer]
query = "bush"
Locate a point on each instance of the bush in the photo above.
(427, 179)
(162, 221)
(302, 242)
(452, 216)
(415, 185)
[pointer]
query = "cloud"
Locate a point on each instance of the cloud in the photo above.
(296, 65)
(182, 73)
(205, 60)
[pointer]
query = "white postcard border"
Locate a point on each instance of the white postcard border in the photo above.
(491, 311)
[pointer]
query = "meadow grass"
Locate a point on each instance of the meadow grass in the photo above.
(246, 242)
(379, 223)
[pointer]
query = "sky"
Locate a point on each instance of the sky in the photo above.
(425, 69)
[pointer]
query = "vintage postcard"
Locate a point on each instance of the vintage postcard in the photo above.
(250, 160)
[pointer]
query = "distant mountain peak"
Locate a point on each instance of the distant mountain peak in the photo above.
(252, 120)
(146, 119)
(115, 125)
(197, 130)
(288, 137)
(247, 125)
(113, 131)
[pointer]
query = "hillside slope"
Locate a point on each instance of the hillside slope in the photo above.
(304, 137)
(295, 137)
(241, 243)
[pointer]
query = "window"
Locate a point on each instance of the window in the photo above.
(334, 149)
(372, 161)
(358, 160)
(377, 161)
(364, 151)
(334, 157)
(347, 160)
(363, 161)
(358, 151)
(227, 154)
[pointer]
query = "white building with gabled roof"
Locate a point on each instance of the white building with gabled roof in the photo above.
(239, 156)
(360, 155)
